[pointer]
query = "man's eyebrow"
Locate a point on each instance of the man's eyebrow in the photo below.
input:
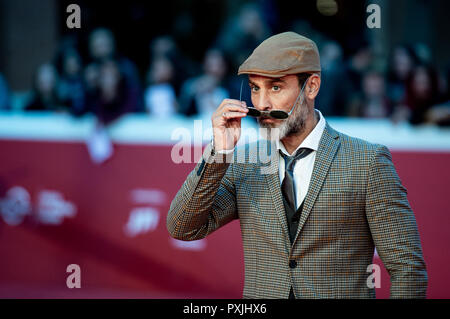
(269, 81)
(277, 81)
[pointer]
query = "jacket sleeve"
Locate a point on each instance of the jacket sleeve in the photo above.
(394, 229)
(206, 200)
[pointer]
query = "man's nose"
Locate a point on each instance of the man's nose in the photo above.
(263, 102)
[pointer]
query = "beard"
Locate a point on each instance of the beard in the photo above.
(294, 124)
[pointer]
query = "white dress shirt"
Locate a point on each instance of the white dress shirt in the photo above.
(303, 167)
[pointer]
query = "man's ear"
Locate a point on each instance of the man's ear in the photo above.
(313, 87)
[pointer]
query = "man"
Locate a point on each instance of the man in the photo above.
(309, 226)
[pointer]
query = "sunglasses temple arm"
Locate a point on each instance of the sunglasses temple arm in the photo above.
(240, 93)
(296, 100)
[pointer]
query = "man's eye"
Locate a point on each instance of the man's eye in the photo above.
(255, 88)
(275, 88)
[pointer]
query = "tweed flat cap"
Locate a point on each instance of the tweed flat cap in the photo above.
(282, 54)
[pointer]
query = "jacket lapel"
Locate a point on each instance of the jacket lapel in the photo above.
(328, 146)
(272, 178)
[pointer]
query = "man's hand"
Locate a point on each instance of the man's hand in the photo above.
(226, 123)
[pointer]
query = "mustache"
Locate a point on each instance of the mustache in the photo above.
(262, 118)
(266, 125)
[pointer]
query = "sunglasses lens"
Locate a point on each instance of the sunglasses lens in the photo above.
(279, 114)
(253, 112)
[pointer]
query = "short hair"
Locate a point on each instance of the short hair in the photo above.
(302, 77)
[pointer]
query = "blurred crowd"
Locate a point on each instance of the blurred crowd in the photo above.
(407, 87)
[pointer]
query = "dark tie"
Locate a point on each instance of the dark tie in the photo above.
(288, 191)
(287, 186)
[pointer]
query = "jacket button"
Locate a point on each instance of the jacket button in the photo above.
(292, 263)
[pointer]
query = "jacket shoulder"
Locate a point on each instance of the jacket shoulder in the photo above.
(358, 150)
(358, 144)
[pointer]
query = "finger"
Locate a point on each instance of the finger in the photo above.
(234, 107)
(230, 115)
(232, 101)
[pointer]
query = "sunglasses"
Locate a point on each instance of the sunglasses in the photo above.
(276, 114)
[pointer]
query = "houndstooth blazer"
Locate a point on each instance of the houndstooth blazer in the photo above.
(355, 202)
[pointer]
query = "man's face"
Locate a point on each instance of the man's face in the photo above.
(278, 94)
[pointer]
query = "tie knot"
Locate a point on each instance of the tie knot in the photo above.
(291, 160)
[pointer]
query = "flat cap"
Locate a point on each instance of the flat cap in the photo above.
(282, 54)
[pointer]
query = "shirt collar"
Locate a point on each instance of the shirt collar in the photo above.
(312, 140)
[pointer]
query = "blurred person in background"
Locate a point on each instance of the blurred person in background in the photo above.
(108, 103)
(201, 95)
(243, 32)
(446, 84)
(304, 27)
(4, 94)
(160, 98)
(402, 62)
(357, 66)
(439, 114)
(165, 47)
(44, 96)
(111, 99)
(337, 86)
(423, 53)
(373, 103)
(71, 89)
(422, 93)
(102, 47)
(91, 74)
